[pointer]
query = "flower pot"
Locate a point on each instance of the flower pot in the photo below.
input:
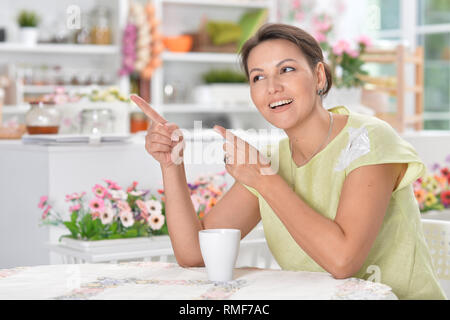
(443, 215)
(223, 95)
(80, 251)
(28, 36)
(118, 245)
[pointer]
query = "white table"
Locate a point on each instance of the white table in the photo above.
(159, 280)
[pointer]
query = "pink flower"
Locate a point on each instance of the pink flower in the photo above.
(299, 16)
(353, 53)
(141, 205)
(296, 4)
(132, 187)
(97, 205)
(74, 196)
(322, 23)
(123, 206)
(340, 47)
(46, 211)
(42, 202)
(75, 207)
(99, 191)
(364, 40)
(320, 37)
(112, 185)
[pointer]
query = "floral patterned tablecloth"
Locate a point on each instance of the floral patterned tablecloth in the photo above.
(157, 280)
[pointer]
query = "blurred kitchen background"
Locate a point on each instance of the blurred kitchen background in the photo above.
(179, 54)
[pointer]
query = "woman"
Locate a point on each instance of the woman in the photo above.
(341, 200)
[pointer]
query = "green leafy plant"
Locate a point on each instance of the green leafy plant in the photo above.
(27, 18)
(224, 76)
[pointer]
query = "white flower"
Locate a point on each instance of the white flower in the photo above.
(127, 218)
(108, 215)
(196, 201)
(153, 206)
(156, 221)
(137, 193)
(118, 194)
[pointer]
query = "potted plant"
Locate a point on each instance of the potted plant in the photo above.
(432, 192)
(345, 61)
(114, 218)
(223, 88)
(28, 22)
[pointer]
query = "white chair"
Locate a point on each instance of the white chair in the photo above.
(436, 229)
(254, 251)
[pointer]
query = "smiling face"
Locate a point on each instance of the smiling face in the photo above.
(282, 84)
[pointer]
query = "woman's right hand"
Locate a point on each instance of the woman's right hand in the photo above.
(164, 141)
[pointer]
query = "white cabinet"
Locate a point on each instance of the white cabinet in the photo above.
(181, 72)
(88, 63)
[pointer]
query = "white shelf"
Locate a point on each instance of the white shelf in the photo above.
(195, 108)
(200, 57)
(222, 3)
(60, 49)
(20, 109)
(164, 109)
(51, 88)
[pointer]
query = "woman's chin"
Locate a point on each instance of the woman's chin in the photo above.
(281, 123)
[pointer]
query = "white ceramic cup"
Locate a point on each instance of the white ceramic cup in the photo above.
(220, 249)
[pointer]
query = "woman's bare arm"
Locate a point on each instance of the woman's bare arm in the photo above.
(341, 245)
(237, 209)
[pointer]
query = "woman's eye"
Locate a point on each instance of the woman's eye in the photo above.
(287, 69)
(256, 78)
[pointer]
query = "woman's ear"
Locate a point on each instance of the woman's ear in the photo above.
(321, 76)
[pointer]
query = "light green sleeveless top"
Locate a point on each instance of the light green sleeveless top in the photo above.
(399, 257)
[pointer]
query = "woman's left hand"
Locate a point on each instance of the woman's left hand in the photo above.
(242, 161)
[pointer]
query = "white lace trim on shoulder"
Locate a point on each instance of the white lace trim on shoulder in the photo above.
(357, 146)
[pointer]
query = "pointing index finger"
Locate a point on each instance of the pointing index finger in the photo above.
(147, 109)
(227, 134)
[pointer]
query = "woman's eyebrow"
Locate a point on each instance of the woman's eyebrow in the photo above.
(285, 60)
(277, 65)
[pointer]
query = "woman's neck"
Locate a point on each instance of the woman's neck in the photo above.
(309, 134)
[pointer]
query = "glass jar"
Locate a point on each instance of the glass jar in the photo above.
(138, 122)
(42, 118)
(100, 25)
(97, 121)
